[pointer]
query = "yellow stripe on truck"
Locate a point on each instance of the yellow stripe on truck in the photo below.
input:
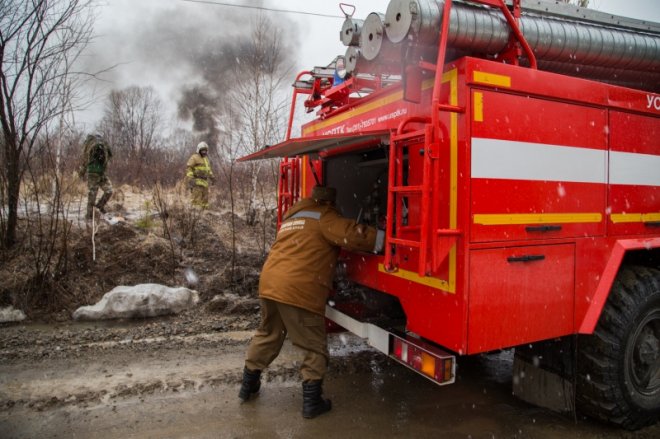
(535, 218)
(635, 217)
(414, 277)
(388, 99)
(478, 106)
(491, 79)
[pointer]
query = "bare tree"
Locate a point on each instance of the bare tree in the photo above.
(229, 145)
(259, 100)
(39, 41)
(130, 123)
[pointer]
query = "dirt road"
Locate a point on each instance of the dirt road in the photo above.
(178, 377)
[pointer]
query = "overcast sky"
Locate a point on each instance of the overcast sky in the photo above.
(166, 43)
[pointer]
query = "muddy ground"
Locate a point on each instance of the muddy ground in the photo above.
(177, 376)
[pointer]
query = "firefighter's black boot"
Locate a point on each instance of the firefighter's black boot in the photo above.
(313, 402)
(251, 384)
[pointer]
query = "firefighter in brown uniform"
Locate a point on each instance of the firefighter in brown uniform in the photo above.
(294, 286)
(199, 174)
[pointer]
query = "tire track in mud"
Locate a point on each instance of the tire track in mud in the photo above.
(105, 372)
(100, 372)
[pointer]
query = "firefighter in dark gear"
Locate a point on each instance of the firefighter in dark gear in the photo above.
(199, 175)
(293, 289)
(97, 154)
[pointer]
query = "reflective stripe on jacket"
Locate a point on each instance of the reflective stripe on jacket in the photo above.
(199, 168)
(301, 264)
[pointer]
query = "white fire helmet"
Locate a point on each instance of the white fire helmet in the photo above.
(201, 146)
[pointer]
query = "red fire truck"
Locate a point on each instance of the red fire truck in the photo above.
(511, 152)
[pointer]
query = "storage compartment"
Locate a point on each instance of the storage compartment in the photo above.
(538, 169)
(634, 163)
(520, 295)
(361, 183)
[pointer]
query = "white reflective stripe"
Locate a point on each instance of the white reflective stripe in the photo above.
(632, 168)
(506, 159)
(306, 214)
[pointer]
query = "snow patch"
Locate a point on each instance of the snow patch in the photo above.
(143, 300)
(10, 314)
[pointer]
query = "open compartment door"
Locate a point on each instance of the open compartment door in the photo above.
(291, 176)
(322, 145)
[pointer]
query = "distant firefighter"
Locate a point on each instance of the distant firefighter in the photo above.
(96, 155)
(198, 175)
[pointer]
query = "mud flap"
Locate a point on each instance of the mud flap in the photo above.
(543, 374)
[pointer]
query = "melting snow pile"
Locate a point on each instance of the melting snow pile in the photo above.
(144, 300)
(9, 314)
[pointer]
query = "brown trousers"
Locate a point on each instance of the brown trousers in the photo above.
(305, 329)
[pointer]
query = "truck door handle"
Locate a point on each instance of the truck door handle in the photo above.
(652, 223)
(544, 228)
(525, 258)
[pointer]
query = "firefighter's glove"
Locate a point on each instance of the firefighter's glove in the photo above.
(380, 241)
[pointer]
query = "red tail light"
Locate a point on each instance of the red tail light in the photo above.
(427, 360)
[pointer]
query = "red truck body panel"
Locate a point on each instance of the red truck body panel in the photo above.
(548, 180)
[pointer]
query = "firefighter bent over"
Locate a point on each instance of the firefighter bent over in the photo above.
(293, 289)
(97, 154)
(199, 175)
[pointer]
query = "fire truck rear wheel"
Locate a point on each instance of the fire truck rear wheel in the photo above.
(619, 365)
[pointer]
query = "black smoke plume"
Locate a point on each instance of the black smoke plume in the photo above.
(188, 51)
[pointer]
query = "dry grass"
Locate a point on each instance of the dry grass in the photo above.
(179, 240)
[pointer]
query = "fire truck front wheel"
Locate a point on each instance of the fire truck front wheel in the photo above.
(619, 365)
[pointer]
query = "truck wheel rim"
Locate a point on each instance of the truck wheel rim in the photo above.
(645, 359)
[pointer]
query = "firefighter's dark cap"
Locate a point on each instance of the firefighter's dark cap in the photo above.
(324, 193)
